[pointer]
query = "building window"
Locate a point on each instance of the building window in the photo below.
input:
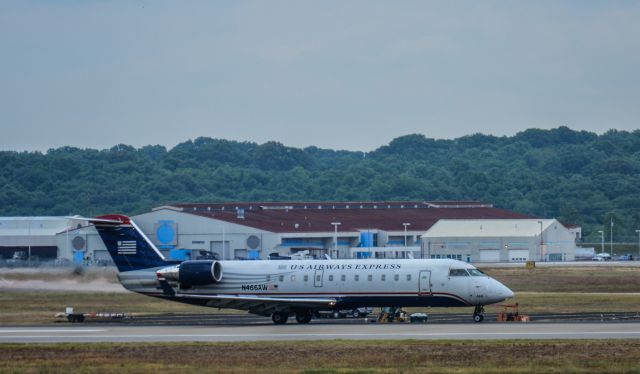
(330, 278)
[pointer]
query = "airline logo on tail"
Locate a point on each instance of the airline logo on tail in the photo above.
(127, 247)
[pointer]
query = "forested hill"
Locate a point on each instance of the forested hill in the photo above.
(578, 177)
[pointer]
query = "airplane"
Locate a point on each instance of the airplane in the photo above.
(300, 288)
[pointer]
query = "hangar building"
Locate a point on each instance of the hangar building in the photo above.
(32, 235)
(506, 240)
(354, 230)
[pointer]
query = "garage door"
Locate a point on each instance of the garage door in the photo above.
(518, 255)
(489, 255)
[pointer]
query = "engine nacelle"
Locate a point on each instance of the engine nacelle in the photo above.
(199, 272)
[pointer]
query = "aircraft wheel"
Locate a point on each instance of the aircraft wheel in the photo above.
(303, 317)
(279, 318)
(478, 317)
(356, 313)
(336, 314)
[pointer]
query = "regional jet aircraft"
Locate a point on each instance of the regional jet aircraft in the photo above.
(294, 288)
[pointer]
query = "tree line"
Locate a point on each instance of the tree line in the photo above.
(578, 177)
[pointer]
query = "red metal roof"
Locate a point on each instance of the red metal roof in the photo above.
(312, 217)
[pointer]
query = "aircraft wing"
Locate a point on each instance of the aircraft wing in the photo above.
(260, 304)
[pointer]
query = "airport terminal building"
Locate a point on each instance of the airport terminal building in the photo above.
(465, 230)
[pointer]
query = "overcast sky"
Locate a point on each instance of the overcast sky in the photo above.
(336, 74)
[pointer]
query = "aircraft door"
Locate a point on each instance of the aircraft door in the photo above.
(425, 283)
(317, 279)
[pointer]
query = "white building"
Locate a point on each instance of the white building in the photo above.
(508, 240)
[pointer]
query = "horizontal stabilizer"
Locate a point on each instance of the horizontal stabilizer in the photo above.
(112, 219)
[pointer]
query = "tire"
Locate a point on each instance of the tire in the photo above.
(478, 318)
(303, 318)
(356, 313)
(336, 314)
(279, 318)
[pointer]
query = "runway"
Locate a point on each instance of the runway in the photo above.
(291, 332)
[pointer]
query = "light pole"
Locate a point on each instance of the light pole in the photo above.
(405, 233)
(335, 237)
(541, 244)
(224, 244)
(611, 238)
(602, 237)
(638, 231)
(29, 234)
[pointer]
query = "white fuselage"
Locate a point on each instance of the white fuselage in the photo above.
(380, 282)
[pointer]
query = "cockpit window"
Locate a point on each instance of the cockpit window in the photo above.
(476, 273)
(458, 273)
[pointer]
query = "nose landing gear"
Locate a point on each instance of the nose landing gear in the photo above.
(478, 313)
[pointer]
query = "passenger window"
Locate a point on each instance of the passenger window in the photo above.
(356, 277)
(281, 278)
(268, 278)
(343, 277)
(383, 277)
(458, 273)
(396, 277)
(370, 277)
(306, 278)
(408, 277)
(330, 278)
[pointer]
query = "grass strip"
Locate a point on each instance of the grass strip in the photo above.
(340, 356)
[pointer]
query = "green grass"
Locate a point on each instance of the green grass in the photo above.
(409, 356)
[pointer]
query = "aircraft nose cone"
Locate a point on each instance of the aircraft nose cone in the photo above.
(500, 291)
(504, 291)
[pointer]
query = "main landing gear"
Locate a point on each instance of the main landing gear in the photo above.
(478, 313)
(302, 317)
(280, 318)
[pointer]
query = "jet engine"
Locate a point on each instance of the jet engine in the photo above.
(194, 273)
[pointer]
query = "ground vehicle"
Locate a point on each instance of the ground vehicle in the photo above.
(601, 257)
(626, 257)
(19, 257)
(206, 255)
(343, 313)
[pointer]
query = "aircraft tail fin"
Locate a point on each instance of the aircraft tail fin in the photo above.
(128, 246)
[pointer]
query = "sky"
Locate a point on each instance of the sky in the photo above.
(343, 74)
